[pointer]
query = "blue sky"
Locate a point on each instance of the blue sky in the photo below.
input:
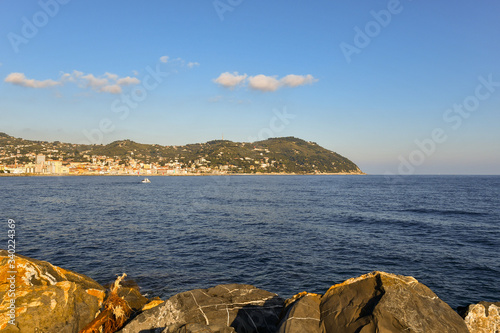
(408, 87)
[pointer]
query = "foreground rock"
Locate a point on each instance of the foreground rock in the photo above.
(224, 309)
(48, 298)
(375, 302)
(52, 299)
(483, 317)
(130, 292)
(302, 314)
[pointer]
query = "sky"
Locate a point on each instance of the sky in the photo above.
(399, 87)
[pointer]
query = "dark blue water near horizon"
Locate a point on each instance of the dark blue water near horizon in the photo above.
(285, 234)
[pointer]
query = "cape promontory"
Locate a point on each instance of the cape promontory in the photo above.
(285, 155)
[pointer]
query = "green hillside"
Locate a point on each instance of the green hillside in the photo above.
(275, 155)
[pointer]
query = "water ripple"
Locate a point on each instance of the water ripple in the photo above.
(285, 234)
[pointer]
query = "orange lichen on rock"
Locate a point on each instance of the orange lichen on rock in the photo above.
(44, 296)
(152, 304)
(387, 279)
(99, 294)
(299, 296)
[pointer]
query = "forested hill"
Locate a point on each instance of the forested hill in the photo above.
(275, 155)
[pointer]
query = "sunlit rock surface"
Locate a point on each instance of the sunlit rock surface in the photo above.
(224, 308)
(375, 302)
(48, 298)
(302, 314)
(52, 299)
(483, 317)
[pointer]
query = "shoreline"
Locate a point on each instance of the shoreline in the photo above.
(185, 175)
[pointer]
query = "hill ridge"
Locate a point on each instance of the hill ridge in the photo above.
(273, 155)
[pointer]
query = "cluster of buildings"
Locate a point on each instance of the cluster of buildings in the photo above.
(102, 165)
(20, 159)
(99, 165)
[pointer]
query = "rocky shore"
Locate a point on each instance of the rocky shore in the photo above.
(51, 299)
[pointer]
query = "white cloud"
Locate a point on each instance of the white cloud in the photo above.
(230, 80)
(178, 62)
(112, 89)
(71, 77)
(126, 81)
(107, 83)
(263, 83)
(293, 80)
(111, 76)
(94, 82)
(20, 79)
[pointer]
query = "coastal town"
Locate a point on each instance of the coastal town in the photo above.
(97, 165)
(278, 155)
(55, 162)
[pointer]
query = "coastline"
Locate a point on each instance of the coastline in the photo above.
(184, 175)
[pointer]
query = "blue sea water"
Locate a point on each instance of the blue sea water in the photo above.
(285, 234)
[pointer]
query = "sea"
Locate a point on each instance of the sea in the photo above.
(282, 233)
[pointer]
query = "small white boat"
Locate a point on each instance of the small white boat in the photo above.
(145, 180)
